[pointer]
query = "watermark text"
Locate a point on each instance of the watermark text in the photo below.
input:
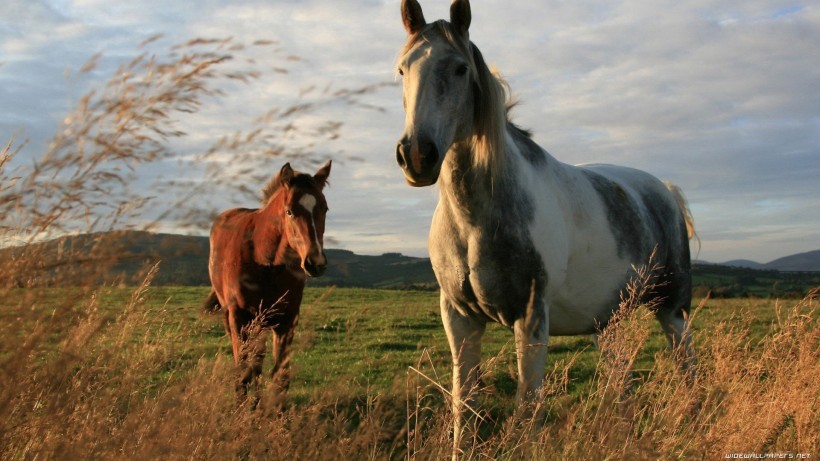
(786, 455)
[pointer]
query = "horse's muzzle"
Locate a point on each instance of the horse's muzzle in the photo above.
(315, 268)
(420, 162)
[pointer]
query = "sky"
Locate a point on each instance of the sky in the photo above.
(721, 98)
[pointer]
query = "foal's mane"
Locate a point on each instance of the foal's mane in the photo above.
(491, 95)
(299, 180)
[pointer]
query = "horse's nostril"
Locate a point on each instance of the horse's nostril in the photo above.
(315, 270)
(315, 265)
(400, 155)
(430, 160)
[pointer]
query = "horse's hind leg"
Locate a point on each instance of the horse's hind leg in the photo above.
(226, 322)
(234, 325)
(675, 292)
(675, 325)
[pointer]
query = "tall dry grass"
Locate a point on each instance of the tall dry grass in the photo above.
(100, 173)
(73, 376)
(746, 398)
(103, 384)
(79, 380)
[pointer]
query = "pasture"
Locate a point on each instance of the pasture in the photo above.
(142, 373)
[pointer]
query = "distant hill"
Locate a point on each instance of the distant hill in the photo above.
(389, 270)
(184, 261)
(730, 282)
(747, 263)
(801, 262)
(809, 261)
(113, 257)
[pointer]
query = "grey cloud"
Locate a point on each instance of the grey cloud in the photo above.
(719, 97)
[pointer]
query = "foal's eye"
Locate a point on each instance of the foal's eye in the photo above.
(401, 72)
(289, 212)
(461, 69)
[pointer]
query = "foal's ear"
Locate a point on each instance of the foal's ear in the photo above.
(411, 16)
(321, 176)
(460, 16)
(286, 174)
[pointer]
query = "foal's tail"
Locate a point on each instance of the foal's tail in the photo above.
(211, 303)
(684, 208)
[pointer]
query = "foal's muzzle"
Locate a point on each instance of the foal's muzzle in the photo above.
(315, 267)
(419, 161)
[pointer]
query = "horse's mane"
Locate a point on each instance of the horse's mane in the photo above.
(300, 180)
(492, 100)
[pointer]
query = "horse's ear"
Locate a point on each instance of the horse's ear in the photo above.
(321, 176)
(460, 16)
(286, 175)
(411, 16)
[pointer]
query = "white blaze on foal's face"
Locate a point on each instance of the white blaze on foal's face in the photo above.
(308, 202)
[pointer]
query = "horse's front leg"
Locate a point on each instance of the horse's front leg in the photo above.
(464, 335)
(281, 359)
(253, 357)
(531, 338)
(248, 349)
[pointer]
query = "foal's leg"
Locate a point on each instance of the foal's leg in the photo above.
(254, 355)
(235, 325)
(281, 359)
(464, 335)
(248, 349)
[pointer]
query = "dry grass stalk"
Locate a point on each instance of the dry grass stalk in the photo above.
(80, 380)
(75, 384)
(81, 385)
(86, 180)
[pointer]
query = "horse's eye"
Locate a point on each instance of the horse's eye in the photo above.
(401, 72)
(289, 212)
(461, 69)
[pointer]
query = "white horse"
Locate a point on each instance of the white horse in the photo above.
(518, 237)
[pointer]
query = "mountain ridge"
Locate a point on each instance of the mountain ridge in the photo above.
(808, 261)
(184, 261)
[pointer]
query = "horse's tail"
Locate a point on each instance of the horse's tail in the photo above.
(683, 204)
(211, 303)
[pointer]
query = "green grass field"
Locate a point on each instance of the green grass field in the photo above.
(369, 339)
(370, 367)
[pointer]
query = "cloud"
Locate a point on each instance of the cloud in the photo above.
(719, 97)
